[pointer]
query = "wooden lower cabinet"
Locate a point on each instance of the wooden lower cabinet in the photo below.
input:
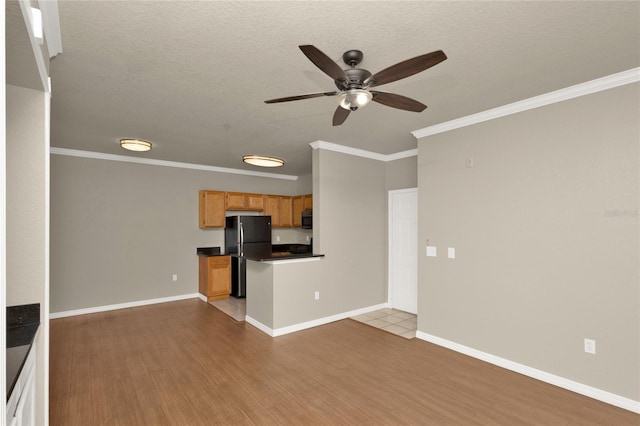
(214, 277)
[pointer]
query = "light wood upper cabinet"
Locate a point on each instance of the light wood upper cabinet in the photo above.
(308, 202)
(285, 210)
(214, 281)
(271, 208)
(301, 203)
(244, 201)
(254, 201)
(211, 209)
(279, 207)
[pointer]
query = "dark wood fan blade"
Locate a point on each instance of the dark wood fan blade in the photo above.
(299, 97)
(406, 68)
(340, 115)
(325, 63)
(398, 101)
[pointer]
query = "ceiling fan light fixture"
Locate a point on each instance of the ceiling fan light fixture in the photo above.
(135, 145)
(262, 161)
(353, 99)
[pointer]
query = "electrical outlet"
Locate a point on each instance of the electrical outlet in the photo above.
(175, 277)
(431, 251)
(316, 295)
(590, 346)
(469, 162)
(308, 238)
(277, 238)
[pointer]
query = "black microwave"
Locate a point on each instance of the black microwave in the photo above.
(307, 219)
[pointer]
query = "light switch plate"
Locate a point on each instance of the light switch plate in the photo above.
(590, 346)
(431, 251)
(451, 253)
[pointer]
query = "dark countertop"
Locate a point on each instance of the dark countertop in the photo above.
(22, 325)
(280, 252)
(209, 251)
(281, 256)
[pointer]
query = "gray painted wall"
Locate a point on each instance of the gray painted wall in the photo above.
(545, 227)
(402, 174)
(26, 155)
(119, 231)
(349, 207)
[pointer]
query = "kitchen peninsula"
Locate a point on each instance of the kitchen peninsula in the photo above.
(282, 292)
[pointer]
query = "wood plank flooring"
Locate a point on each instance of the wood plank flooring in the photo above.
(186, 363)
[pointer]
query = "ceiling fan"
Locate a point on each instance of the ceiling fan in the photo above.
(354, 83)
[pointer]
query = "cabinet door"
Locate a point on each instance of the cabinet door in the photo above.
(271, 208)
(254, 202)
(298, 207)
(214, 277)
(285, 209)
(234, 200)
(211, 209)
(219, 277)
(308, 202)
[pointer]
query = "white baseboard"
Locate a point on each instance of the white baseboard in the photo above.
(54, 315)
(260, 326)
(591, 392)
(314, 323)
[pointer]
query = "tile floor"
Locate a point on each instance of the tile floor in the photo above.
(392, 320)
(234, 307)
(397, 322)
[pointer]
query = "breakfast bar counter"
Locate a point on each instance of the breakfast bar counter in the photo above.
(283, 292)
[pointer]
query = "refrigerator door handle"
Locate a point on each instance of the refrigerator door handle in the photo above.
(240, 249)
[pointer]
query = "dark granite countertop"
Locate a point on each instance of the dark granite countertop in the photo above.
(22, 325)
(281, 256)
(209, 251)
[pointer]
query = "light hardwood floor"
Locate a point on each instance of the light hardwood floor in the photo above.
(187, 363)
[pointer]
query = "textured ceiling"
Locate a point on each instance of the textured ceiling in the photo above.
(192, 76)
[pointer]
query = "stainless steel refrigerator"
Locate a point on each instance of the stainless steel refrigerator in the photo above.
(245, 236)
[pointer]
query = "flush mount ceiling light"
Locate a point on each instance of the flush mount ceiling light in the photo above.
(354, 98)
(259, 160)
(135, 145)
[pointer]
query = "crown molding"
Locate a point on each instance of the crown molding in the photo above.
(154, 162)
(25, 8)
(361, 152)
(51, 25)
(582, 89)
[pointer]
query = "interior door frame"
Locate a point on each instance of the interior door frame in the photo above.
(390, 266)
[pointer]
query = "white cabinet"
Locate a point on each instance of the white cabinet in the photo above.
(21, 406)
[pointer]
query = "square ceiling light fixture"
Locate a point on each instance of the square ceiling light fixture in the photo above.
(135, 145)
(262, 161)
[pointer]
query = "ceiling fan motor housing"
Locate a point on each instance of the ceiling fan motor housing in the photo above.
(356, 76)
